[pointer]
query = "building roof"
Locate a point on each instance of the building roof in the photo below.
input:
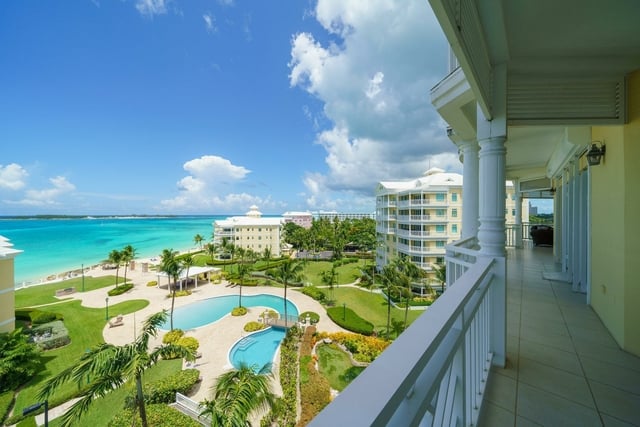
(294, 213)
(6, 248)
(434, 177)
(253, 217)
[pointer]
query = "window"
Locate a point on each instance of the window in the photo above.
(439, 243)
(513, 212)
(440, 212)
(454, 213)
(440, 197)
(440, 260)
(454, 197)
(439, 228)
(454, 228)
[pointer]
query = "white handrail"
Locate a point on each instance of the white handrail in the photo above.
(435, 372)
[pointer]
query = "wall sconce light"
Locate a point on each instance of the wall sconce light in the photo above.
(595, 153)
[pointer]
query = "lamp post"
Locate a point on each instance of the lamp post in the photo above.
(106, 315)
(82, 277)
(35, 407)
(344, 311)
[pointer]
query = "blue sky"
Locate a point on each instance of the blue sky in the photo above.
(208, 107)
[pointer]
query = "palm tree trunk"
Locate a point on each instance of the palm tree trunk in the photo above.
(406, 312)
(117, 271)
(173, 301)
(140, 399)
(388, 311)
(285, 304)
(125, 272)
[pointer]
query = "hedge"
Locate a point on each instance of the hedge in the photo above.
(37, 317)
(315, 391)
(253, 326)
(157, 415)
(349, 320)
(164, 390)
(315, 293)
(120, 289)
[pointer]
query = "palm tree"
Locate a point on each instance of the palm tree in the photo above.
(172, 268)
(128, 254)
(108, 367)
(389, 279)
(266, 255)
(441, 275)
(286, 272)
(211, 249)
(243, 270)
(187, 262)
(408, 272)
(330, 278)
(198, 239)
(238, 394)
(115, 257)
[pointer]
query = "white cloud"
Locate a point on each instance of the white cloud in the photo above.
(373, 79)
(210, 187)
(48, 196)
(152, 7)
(226, 2)
(12, 176)
(210, 22)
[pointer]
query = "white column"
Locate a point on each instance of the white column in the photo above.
(491, 234)
(518, 201)
(469, 151)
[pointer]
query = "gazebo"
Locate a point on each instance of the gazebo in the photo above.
(194, 272)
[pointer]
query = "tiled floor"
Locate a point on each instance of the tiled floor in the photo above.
(563, 366)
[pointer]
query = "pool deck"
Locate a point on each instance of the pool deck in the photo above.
(215, 339)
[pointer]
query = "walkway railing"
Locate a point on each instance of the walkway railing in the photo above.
(436, 371)
(460, 256)
(191, 408)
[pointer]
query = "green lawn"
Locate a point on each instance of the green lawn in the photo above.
(45, 294)
(335, 366)
(346, 273)
(370, 306)
(85, 330)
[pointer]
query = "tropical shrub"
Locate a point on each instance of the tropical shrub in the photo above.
(164, 390)
(363, 348)
(19, 360)
(239, 311)
(120, 289)
(315, 293)
(253, 326)
(172, 337)
(152, 283)
(190, 342)
(348, 319)
(157, 416)
(315, 392)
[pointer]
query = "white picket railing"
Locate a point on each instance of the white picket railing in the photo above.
(436, 371)
(192, 408)
(460, 256)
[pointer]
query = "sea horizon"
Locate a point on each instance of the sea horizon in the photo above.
(58, 244)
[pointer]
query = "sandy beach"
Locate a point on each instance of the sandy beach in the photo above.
(216, 339)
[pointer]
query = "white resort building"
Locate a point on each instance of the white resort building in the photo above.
(419, 217)
(250, 231)
(303, 219)
(7, 285)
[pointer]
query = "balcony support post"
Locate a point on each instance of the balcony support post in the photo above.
(518, 201)
(469, 151)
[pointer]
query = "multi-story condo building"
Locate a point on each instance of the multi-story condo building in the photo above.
(419, 217)
(343, 215)
(546, 94)
(7, 285)
(250, 231)
(303, 219)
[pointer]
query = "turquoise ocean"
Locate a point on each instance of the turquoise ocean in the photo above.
(57, 245)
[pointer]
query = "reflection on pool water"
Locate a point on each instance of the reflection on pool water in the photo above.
(257, 349)
(210, 310)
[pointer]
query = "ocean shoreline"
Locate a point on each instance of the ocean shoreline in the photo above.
(67, 274)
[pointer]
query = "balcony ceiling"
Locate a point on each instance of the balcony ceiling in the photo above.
(566, 64)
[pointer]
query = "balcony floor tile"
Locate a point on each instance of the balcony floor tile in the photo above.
(563, 366)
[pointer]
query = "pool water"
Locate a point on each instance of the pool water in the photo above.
(257, 349)
(211, 310)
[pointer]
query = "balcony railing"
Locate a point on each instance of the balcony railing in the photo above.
(460, 256)
(436, 371)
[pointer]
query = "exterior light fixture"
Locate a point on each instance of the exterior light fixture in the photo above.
(595, 153)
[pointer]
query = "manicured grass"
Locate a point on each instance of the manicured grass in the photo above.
(85, 327)
(370, 306)
(346, 273)
(336, 366)
(45, 294)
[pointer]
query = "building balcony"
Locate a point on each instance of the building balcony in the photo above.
(423, 203)
(562, 365)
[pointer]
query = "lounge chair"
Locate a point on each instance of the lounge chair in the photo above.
(118, 321)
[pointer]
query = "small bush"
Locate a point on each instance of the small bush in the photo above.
(315, 293)
(172, 337)
(152, 283)
(157, 415)
(239, 311)
(39, 317)
(253, 326)
(348, 319)
(189, 342)
(120, 289)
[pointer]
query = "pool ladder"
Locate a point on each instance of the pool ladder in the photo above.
(246, 343)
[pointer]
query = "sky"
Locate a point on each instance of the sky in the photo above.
(210, 106)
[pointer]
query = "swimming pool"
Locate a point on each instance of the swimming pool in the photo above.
(211, 310)
(257, 349)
